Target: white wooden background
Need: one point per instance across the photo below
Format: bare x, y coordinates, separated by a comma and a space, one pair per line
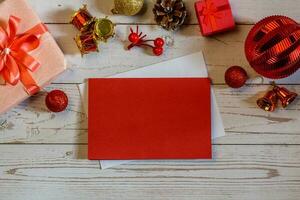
43, 155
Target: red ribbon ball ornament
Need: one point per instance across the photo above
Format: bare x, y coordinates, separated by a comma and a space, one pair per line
273, 47
15, 61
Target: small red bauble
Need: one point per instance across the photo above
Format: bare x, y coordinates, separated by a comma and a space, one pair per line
158, 51
236, 77
56, 101
273, 47
159, 42
133, 37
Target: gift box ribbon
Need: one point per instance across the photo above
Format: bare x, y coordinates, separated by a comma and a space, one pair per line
211, 13
15, 61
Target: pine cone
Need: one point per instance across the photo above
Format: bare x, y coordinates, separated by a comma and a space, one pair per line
170, 14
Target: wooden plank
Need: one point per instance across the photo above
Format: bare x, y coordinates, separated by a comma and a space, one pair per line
54, 167
220, 52
244, 122
237, 172
245, 12
32, 122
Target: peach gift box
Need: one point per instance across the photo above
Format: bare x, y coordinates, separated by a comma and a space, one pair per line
48, 54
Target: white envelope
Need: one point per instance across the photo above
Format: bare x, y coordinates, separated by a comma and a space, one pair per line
192, 65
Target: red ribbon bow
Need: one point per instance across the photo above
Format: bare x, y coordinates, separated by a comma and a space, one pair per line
210, 13
15, 61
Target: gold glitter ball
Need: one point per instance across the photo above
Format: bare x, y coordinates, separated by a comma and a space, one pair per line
127, 7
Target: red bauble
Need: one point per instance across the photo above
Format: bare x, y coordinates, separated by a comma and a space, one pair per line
159, 42
56, 101
158, 51
133, 37
273, 47
236, 77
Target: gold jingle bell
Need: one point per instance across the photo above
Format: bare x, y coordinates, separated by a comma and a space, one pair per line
127, 7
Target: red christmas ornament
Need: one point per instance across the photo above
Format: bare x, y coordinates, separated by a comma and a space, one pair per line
138, 39
134, 38
273, 47
158, 51
56, 101
236, 77
159, 42
284, 95
269, 101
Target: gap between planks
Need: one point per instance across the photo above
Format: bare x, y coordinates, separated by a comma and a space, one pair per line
85, 144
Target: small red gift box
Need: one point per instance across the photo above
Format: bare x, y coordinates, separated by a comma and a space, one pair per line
214, 16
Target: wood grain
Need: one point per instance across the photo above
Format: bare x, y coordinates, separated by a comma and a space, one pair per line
220, 52
44, 155
244, 122
244, 11
31, 122
238, 172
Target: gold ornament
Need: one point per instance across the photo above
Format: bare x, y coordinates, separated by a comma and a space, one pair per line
104, 29
86, 43
82, 18
92, 30
127, 7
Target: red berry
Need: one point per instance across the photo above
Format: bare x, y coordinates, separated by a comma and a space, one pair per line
159, 42
56, 101
236, 77
158, 51
133, 37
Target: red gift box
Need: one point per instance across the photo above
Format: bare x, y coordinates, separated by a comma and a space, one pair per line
214, 16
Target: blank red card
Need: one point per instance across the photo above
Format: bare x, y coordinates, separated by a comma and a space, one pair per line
149, 118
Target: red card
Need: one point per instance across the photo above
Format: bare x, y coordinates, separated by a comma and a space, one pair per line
149, 118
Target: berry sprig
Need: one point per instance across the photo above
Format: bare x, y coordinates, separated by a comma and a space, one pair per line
138, 39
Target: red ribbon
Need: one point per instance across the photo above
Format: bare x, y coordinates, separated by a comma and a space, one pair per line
211, 13
15, 61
